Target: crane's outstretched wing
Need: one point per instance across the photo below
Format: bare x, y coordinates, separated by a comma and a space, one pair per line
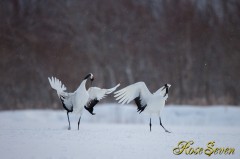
95, 95
137, 92
66, 98
57, 85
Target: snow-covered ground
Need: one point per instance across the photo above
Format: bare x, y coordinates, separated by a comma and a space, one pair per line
117, 132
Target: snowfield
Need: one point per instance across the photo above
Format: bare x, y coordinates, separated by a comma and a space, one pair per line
117, 132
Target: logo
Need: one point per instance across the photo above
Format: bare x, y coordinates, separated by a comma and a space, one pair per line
210, 149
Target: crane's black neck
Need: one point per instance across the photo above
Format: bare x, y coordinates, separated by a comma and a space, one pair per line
166, 91
166, 86
88, 76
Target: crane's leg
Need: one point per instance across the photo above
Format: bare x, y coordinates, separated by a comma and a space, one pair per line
150, 124
79, 122
163, 126
69, 126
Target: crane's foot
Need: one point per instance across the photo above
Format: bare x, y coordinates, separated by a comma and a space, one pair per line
167, 131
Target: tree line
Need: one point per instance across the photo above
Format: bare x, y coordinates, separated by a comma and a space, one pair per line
191, 44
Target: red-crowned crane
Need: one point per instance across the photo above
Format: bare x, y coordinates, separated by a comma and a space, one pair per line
81, 98
147, 102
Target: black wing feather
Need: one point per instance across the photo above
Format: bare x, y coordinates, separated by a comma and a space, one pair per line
90, 106
64, 106
139, 104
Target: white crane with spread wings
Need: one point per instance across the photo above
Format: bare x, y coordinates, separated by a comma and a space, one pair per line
81, 98
144, 99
